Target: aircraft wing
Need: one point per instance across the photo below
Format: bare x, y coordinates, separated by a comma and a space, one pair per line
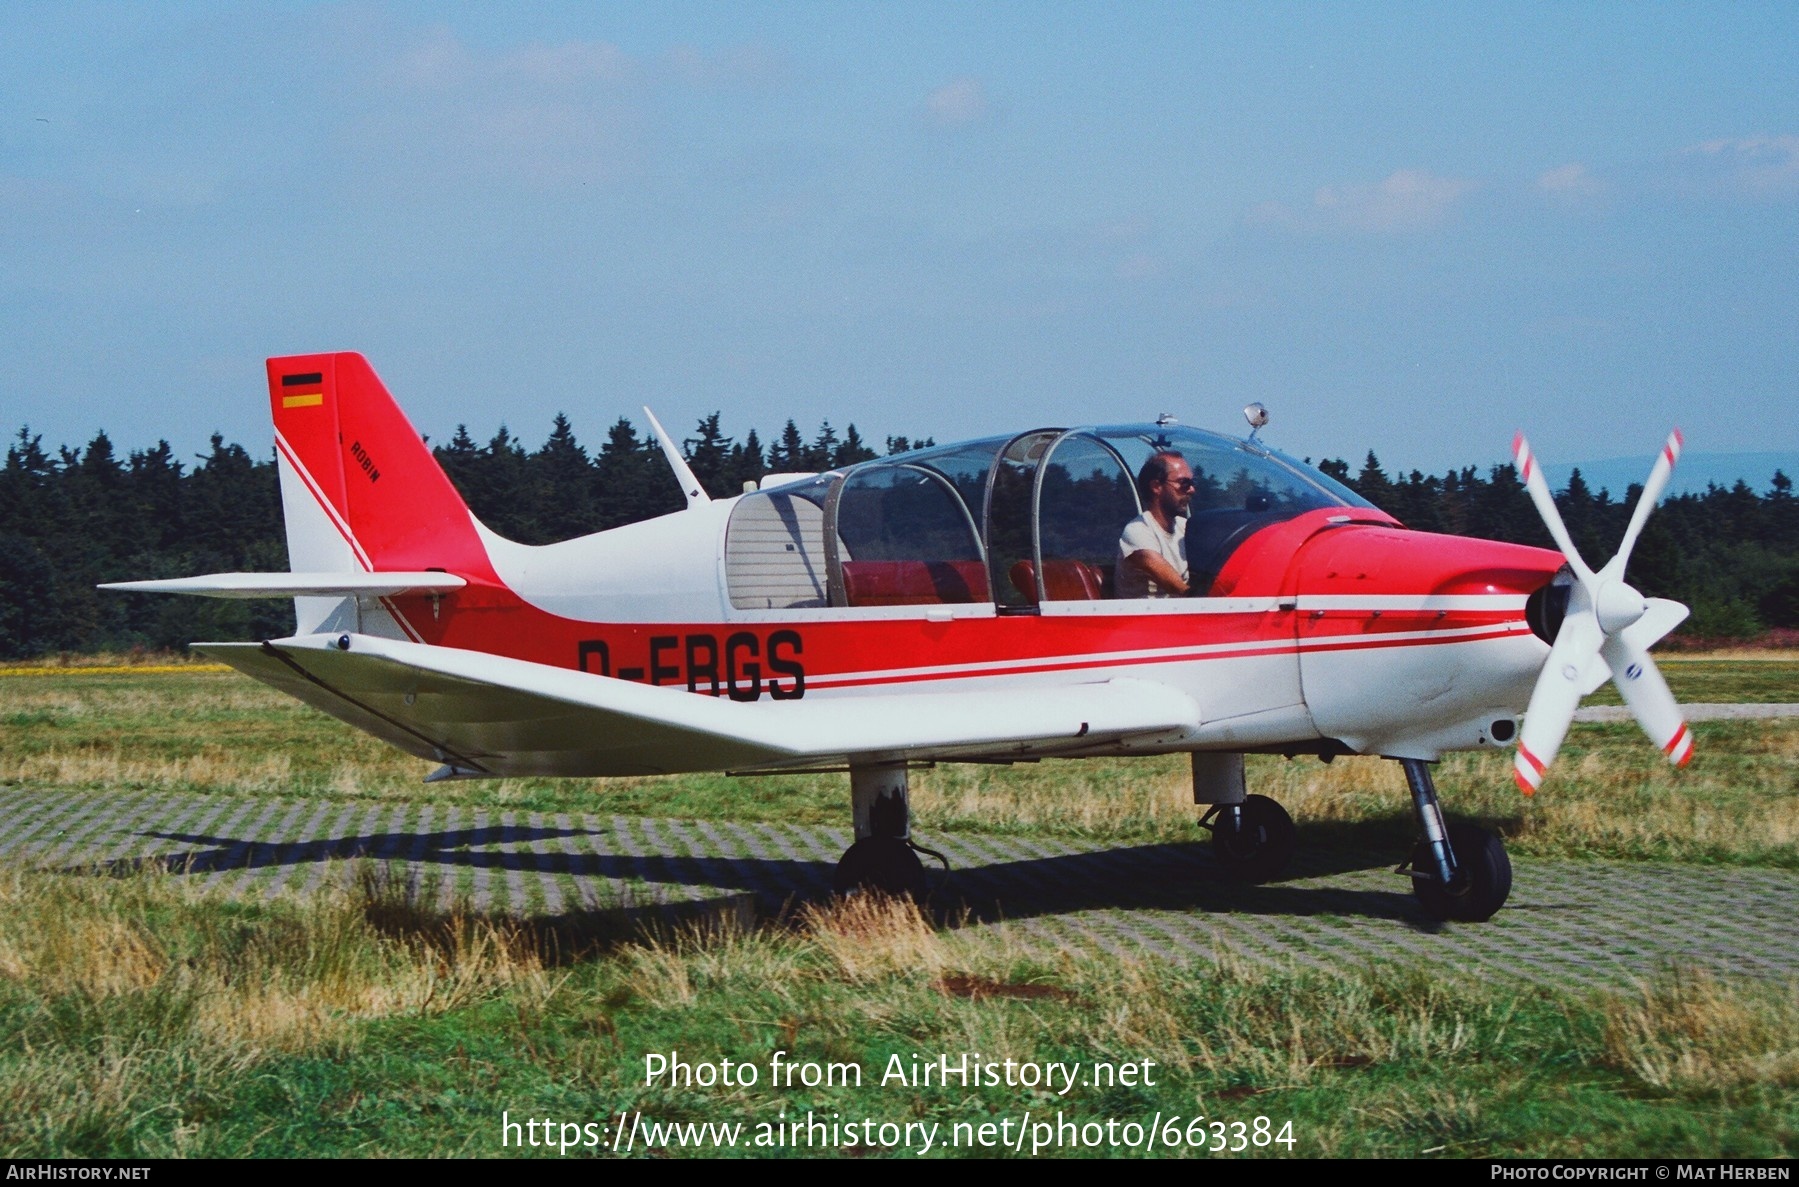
297, 585
486, 714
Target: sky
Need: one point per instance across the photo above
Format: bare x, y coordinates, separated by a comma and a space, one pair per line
1406, 228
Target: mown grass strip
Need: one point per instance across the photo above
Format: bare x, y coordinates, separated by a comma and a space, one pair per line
113, 670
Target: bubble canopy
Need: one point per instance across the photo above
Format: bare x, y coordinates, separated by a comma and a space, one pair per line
1016, 520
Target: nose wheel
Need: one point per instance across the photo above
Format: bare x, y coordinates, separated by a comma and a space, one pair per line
1482, 880
1459, 871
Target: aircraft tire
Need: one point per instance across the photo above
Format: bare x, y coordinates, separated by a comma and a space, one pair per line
883, 864
1260, 846
1481, 854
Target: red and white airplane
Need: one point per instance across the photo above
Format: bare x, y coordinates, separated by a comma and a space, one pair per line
953, 604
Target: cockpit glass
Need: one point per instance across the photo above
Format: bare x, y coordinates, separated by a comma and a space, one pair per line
904, 537
1319, 477
1014, 520
1231, 475
1009, 517
1238, 490
1085, 496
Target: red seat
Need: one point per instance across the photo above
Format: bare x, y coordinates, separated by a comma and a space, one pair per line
913, 583
1063, 581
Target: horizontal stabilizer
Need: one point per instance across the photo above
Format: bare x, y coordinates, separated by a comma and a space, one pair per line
490, 714
297, 585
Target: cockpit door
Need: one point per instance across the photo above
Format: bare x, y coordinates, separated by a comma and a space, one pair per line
1082, 498
901, 534
1009, 522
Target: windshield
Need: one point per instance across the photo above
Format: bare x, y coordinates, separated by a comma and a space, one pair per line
1229, 474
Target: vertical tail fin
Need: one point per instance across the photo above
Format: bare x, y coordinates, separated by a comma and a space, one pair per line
359, 487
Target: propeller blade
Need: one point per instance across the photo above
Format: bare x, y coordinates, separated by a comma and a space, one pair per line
1532, 474
1556, 696
1652, 492
1641, 685
1607, 630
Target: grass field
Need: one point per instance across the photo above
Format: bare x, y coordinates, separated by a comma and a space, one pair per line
149, 1018
1609, 794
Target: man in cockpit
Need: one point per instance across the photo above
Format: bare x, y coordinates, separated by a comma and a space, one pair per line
1152, 551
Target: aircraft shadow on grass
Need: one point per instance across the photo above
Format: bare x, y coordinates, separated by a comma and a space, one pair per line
1159, 876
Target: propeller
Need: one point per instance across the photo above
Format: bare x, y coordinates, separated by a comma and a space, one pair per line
1602, 609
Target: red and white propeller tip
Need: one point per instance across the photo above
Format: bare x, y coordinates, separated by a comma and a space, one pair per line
1602, 607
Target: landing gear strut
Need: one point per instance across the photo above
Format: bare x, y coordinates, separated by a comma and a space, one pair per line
882, 858
1459, 871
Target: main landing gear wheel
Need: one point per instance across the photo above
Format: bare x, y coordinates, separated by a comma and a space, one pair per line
883, 864
1255, 842
1483, 877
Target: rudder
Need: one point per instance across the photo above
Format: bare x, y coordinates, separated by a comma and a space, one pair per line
360, 488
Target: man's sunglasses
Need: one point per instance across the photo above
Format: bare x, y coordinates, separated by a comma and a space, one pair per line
1178, 483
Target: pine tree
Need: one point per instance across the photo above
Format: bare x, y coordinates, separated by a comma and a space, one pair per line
632, 479
1418, 501
788, 456
1780, 512
746, 465
561, 481
459, 460
1501, 510
157, 510
1373, 484
1337, 468
818, 455
500, 494
709, 456
852, 450
1580, 515
621, 475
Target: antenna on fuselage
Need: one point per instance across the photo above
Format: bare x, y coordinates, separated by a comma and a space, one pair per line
690, 486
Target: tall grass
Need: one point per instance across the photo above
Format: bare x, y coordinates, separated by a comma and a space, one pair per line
1692, 1032
150, 1019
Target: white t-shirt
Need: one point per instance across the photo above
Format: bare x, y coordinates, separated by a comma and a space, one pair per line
1144, 534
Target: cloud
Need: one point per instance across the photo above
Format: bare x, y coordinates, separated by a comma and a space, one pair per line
539, 115
542, 115
741, 66
958, 103
442, 61
1406, 200
1752, 167
575, 63
1572, 181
